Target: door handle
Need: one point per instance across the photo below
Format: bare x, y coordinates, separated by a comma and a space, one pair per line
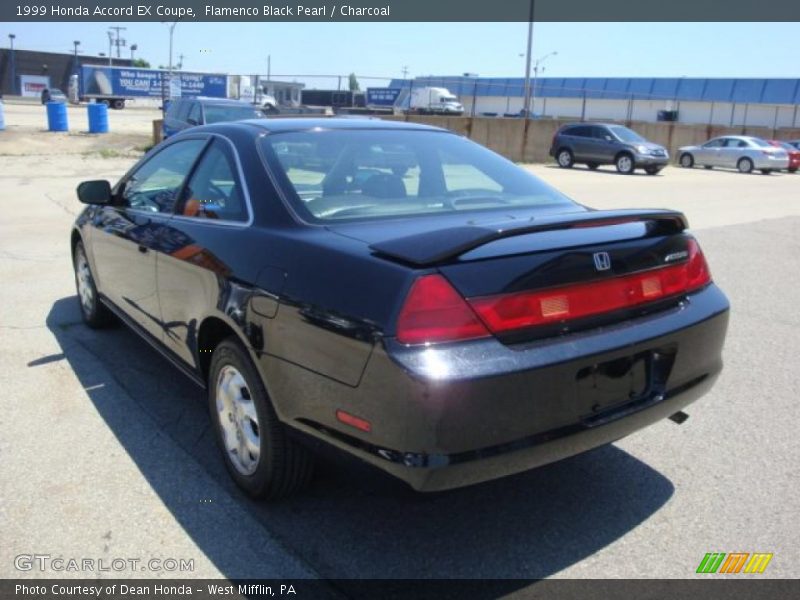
142, 249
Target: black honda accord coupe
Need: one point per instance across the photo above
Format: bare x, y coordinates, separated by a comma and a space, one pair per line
398, 292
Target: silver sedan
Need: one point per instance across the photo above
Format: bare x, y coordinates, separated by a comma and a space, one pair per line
741, 152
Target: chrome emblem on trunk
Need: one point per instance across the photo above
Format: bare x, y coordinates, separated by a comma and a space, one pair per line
602, 261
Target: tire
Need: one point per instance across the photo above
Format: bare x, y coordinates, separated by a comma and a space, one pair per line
792, 169
708, 167
624, 163
687, 160
565, 158
118, 104
745, 165
766, 171
652, 170
105, 101
592, 166
273, 465
95, 314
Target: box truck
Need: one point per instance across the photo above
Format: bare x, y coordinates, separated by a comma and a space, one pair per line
114, 85
434, 101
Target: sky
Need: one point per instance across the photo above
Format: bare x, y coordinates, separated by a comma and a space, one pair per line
382, 50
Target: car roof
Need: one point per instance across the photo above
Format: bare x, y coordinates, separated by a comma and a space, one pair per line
221, 101
328, 123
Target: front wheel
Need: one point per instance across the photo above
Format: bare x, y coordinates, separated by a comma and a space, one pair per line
687, 160
262, 459
745, 165
652, 170
565, 159
624, 164
592, 165
94, 313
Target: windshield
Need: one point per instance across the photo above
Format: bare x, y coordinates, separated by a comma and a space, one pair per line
626, 135
216, 113
367, 174
449, 99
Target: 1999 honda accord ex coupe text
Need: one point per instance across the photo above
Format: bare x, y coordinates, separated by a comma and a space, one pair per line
398, 292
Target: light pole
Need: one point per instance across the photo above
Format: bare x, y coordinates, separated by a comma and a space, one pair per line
527, 94
536, 65
76, 43
134, 48
11, 37
110, 42
169, 69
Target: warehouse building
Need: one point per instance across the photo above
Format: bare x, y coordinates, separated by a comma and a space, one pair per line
715, 101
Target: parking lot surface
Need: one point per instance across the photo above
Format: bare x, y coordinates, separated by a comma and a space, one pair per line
107, 452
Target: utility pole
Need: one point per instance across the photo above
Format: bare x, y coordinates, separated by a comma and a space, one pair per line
118, 42
75, 66
134, 48
180, 61
527, 100
110, 44
404, 71
11, 38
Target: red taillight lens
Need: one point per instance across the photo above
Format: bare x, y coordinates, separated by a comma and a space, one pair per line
435, 312
508, 312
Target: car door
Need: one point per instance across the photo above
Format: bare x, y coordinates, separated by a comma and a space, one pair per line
194, 268
580, 141
128, 232
708, 153
732, 151
601, 146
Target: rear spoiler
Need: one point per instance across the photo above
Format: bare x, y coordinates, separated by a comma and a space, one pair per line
441, 245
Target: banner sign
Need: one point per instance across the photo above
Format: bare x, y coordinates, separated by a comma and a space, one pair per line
129, 82
382, 96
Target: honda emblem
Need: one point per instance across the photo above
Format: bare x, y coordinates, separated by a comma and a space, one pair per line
602, 261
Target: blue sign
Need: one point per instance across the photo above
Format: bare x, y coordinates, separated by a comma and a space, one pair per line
382, 96
122, 81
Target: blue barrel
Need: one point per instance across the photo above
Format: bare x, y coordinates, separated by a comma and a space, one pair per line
57, 116
98, 117
2, 117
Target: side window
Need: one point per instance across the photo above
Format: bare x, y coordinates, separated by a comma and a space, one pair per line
155, 184
716, 143
600, 133
580, 131
215, 191
742, 144
461, 175
194, 114
183, 110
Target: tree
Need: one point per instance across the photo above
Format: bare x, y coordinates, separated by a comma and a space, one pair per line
353, 84
141, 63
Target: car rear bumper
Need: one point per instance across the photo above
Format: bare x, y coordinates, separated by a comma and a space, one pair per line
448, 417
772, 163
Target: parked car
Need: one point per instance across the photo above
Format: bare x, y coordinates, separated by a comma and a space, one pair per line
597, 144
53, 95
459, 322
795, 143
183, 113
741, 152
792, 151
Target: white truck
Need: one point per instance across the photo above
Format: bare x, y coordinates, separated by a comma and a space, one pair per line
434, 101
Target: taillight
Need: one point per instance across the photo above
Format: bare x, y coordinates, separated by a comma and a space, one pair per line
508, 312
435, 312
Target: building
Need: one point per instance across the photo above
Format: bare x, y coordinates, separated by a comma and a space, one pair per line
33, 71
716, 101
286, 93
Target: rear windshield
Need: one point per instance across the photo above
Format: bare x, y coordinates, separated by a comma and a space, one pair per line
369, 174
216, 113
759, 142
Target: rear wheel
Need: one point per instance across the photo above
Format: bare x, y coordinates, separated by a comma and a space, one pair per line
592, 165
745, 165
95, 314
766, 171
624, 164
118, 104
652, 170
565, 159
262, 459
687, 160
792, 169
709, 167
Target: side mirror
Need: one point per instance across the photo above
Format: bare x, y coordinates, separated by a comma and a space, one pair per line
191, 121
97, 191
